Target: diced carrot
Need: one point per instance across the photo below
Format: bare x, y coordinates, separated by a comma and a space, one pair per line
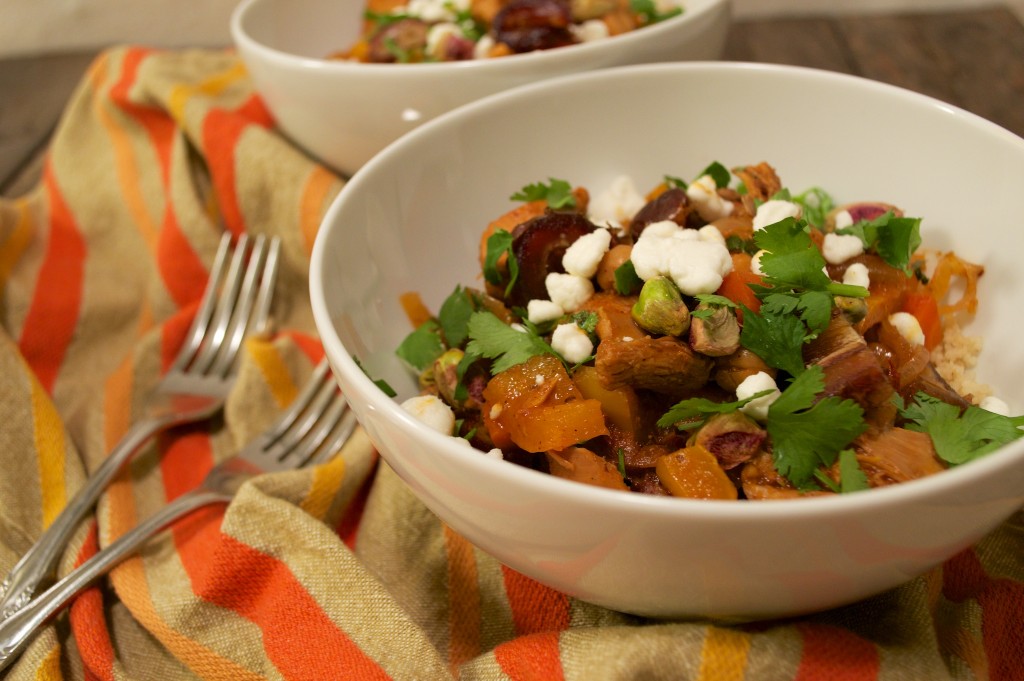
736, 285
926, 309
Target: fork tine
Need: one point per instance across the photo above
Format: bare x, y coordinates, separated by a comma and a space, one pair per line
262, 313
299, 404
335, 438
225, 306
240, 320
301, 427
206, 306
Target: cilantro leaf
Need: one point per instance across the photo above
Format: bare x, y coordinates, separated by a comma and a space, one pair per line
379, 382
454, 316
626, 280
712, 301
498, 244
719, 173
586, 320
649, 13
776, 338
851, 477
421, 347
806, 434
687, 412
959, 438
494, 339
791, 260
674, 182
893, 239
558, 193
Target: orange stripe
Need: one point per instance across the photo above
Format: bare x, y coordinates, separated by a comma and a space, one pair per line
89, 623
535, 607
53, 314
16, 243
49, 668
531, 658
463, 601
221, 131
836, 655
723, 656
1002, 605
348, 526
311, 204
48, 438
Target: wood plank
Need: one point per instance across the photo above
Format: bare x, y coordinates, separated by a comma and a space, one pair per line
35, 92
809, 41
974, 60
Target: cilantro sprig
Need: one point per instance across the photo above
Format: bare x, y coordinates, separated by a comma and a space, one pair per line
649, 13
499, 244
960, 437
493, 339
893, 238
557, 193
693, 412
808, 432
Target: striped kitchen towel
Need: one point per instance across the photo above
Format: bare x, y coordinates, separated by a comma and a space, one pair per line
335, 572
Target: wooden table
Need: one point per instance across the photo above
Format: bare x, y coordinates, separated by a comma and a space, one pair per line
973, 59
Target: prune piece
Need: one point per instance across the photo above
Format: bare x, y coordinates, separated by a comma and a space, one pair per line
402, 41
527, 25
672, 204
863, 210
538, 246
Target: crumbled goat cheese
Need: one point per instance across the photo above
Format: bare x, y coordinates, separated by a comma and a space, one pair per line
572, 343
483, 47
908, 326
703, 192
838, 248
538, 379
776, 210
995, 405
585, 254
753, 384
433, 11
540, 311
568, 291
589, 31
843, 219
694, 260
437, 37
617, 204
433, 411
495, 453
857, 275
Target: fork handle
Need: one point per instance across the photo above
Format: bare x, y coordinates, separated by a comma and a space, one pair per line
19, 628
38, 564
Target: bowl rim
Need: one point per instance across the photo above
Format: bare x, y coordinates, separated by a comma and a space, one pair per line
878, 499
513, 62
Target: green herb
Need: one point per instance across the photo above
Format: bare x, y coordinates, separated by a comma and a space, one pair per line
719, 173
379, 382
586, 320
776, 338
737, 244
421, 347
558, 193
960, 437
626, 280
674, 182
499, 244
851, 477
648, 12
816, 203
494, 339
382, 19
806, 433
893, 239
712, 301
454, 316
693, 412
468, 24
622, 463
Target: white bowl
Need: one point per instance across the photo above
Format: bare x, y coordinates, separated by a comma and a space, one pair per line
411, 221
345, 112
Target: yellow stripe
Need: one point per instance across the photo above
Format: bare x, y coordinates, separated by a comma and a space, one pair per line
16, 243
49, 441
275, 372
49, 669
327, 481
724, 655
211, 87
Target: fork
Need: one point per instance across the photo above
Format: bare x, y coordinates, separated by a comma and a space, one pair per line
311, 431
236, 300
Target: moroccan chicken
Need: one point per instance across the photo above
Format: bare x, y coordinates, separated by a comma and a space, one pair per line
721, 338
